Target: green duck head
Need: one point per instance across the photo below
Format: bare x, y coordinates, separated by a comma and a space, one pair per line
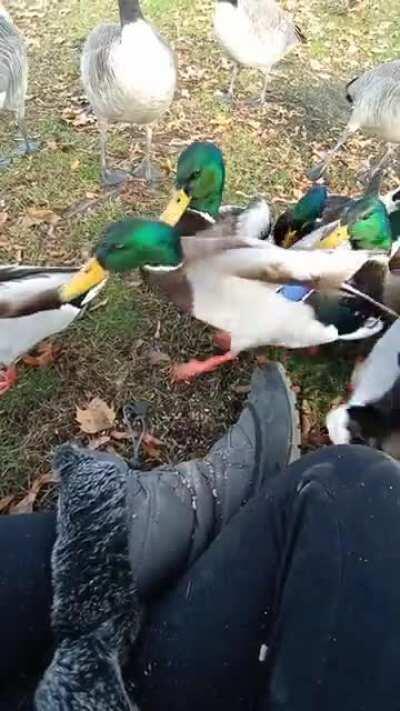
126, 245
200, 181
288, 227
365, 224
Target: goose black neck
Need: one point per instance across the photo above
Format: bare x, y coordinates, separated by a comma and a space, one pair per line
232, 2
129, 11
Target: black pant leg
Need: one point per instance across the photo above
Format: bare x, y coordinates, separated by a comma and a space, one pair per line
336, 637
306, 575
295, 606
25, 592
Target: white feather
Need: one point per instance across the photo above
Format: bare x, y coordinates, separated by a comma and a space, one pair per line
376, 377
144, 69
337, 422
380, 369
20, 335
255, 220
228, 302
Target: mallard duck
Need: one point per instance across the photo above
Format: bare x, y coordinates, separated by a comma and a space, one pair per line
364, 224
318, 207
372, 413
254, 33
375, 100
129, 76
197, 201
34, 306
234, 285
14, 79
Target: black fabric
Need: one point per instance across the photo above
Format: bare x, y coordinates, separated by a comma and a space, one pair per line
305, 575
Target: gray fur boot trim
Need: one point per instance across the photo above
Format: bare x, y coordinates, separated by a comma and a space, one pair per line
96, 613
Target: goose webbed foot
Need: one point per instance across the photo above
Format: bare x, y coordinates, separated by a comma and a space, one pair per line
225, 97
148, 171
26, 147
256, 101
111, 178
5, 162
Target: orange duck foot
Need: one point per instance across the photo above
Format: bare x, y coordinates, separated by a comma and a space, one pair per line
190, 370
313, 351
222, 339
8, 378
48, 353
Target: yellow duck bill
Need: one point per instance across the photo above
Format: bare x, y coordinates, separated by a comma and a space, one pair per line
339, 236
175, 208
91, 274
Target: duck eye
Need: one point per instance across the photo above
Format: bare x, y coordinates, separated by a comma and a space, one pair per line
195, 174
119, 245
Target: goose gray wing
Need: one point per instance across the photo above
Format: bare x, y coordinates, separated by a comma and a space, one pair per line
13, 65
268, 17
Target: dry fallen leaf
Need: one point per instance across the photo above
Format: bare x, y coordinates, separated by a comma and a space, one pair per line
96, 417
97, 442
5, 503
151, 446
26, 504
36, 216
118, 435
75, 164
3, 218
157, 357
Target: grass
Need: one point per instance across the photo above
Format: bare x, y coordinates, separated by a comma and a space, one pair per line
109, 353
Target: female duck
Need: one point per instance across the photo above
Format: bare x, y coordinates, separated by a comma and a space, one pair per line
129, 76
231, 284
197, 201
34, 304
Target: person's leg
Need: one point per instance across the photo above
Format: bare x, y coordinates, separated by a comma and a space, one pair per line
294, 606
26, 542
25, 589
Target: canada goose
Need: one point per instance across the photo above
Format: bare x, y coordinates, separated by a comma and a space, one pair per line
14, 79
254, 33
375, 100
129, 75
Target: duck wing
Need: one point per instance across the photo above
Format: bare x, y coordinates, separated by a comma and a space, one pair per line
266, 262
27, 289
30, 308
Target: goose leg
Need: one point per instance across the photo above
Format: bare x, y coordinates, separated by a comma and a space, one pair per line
146, 169
190, 370
320, 168
376, 169
264, 89
109, 177
227, 96
260, 101
28, 145
8, 378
